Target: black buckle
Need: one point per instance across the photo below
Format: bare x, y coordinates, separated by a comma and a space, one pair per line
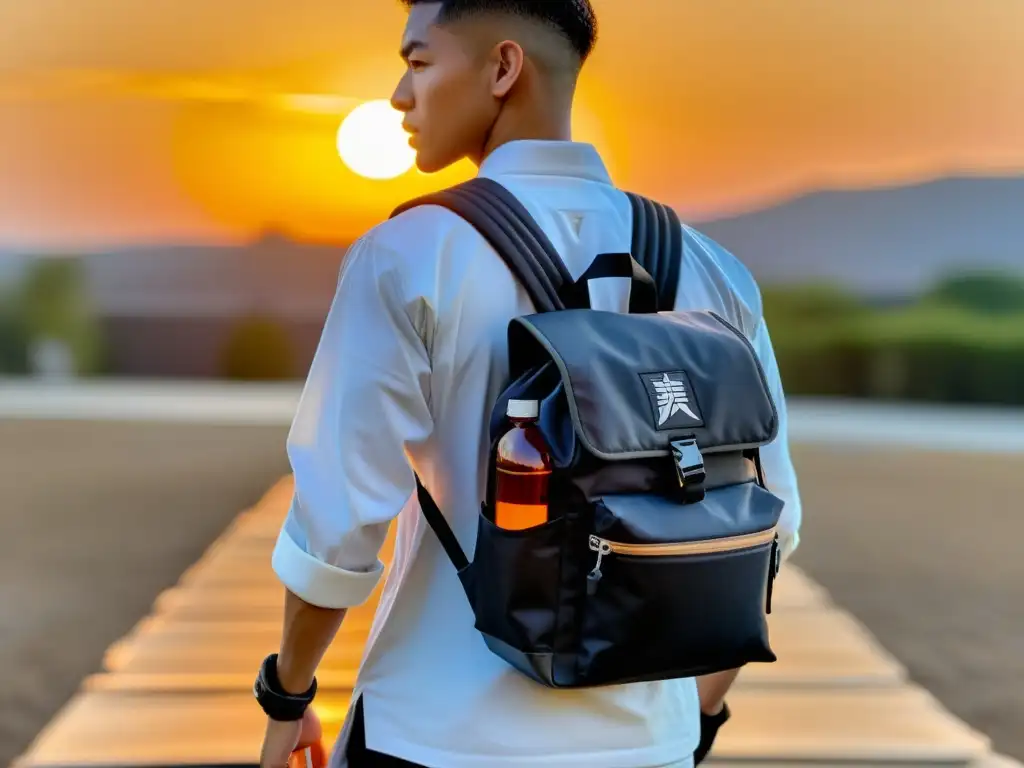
689, 461
690, 468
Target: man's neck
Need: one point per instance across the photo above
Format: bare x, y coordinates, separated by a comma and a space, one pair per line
555, 126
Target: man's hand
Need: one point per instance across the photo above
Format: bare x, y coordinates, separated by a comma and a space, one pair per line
279, 741
283, 738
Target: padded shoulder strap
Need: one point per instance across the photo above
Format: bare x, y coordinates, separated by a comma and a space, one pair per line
658, 246
510, 229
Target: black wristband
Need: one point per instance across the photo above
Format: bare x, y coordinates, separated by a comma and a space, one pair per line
277, 703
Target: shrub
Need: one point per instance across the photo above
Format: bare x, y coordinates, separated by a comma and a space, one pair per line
928, 353
980, 292
259, 349
809, 304
54, 307
13, 339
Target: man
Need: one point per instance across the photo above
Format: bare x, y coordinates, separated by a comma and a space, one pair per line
412, 354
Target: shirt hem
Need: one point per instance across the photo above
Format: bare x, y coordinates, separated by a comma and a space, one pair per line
646, 757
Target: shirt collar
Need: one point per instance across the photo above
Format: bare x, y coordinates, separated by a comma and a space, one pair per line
546, 158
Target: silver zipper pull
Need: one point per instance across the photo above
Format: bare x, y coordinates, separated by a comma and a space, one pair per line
602, 548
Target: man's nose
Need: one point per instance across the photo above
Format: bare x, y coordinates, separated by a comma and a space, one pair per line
401, 99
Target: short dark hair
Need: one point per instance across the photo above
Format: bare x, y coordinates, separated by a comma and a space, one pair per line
574, 19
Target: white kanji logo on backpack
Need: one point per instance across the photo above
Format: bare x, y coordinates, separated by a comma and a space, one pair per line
672, 399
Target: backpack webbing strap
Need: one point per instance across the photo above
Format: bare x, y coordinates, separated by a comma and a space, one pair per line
505, 223
442, 530
658, 246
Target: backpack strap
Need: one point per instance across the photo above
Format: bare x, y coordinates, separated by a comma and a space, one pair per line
658, 246
443, 531
505, 223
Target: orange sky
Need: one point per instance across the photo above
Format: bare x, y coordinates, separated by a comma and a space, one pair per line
128, 121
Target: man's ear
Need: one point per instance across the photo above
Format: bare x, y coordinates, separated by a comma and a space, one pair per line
509, 59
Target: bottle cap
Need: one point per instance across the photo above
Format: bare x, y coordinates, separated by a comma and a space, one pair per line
522, 409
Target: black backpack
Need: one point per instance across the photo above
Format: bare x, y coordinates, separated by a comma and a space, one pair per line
661, 550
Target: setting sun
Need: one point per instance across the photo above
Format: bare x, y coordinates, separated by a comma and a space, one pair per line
372, 143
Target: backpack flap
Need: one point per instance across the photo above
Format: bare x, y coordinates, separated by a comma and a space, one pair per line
632, 386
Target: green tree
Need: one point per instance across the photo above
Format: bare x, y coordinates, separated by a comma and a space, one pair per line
13, 337
809, 304
990, 293
55, 307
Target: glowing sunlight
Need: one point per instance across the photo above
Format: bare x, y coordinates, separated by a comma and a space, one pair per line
372, 143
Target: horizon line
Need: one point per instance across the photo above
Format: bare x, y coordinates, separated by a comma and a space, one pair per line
753, 205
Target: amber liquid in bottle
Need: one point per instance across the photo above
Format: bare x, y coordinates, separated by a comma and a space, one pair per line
523, 468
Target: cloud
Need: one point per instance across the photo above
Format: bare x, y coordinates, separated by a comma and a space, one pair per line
99, 85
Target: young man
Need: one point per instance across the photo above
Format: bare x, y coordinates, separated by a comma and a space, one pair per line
412, 353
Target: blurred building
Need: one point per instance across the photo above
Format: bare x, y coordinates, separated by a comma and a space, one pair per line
170, 311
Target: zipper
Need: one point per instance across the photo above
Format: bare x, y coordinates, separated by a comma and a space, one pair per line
603, 548
776, 562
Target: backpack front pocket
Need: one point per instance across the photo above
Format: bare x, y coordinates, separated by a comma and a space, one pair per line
677, 587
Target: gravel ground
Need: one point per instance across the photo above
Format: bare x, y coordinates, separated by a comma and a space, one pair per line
95, 520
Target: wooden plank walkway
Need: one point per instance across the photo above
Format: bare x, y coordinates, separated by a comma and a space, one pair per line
176, 691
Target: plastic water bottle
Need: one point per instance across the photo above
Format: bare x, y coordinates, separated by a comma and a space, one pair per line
523, 468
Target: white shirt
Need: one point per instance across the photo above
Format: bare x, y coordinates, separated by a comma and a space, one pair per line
412, 356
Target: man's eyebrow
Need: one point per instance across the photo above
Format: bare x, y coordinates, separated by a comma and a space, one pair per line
410, 47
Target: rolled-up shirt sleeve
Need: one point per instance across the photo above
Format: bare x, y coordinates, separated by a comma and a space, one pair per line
364, 407
780, 474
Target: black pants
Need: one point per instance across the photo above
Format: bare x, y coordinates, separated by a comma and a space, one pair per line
361, 757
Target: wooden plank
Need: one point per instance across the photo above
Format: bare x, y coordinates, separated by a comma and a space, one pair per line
215, 571
242, 657
246, 608
263, 520
794, 590
900, 727
822, 648
210, 681
115, 730
815, 648
155, 636
994, 760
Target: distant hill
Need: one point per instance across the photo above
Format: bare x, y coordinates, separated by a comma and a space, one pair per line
883, 242
892, 241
